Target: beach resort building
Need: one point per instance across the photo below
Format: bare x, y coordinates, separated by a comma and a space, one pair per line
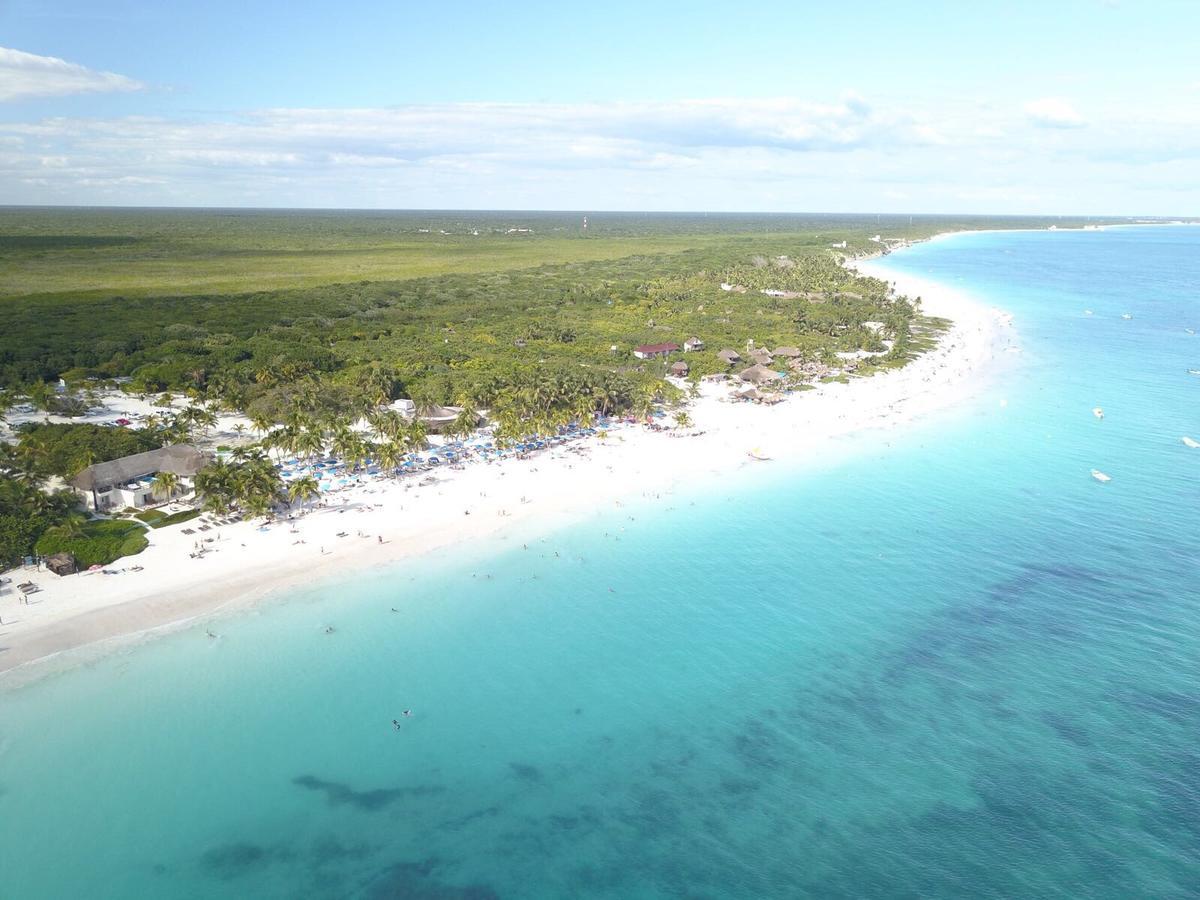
679, 370
650, 351
128, 481
436, 418
693, 343
729, 357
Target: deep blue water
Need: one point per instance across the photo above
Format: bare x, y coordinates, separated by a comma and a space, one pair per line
951, 665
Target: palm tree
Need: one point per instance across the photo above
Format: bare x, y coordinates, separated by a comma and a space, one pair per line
303, 490
464, 423
309, 443
415, 437
165, 485
387, 423
389, 456
215, 487
345, 442
682, 419
261, 422
71, 527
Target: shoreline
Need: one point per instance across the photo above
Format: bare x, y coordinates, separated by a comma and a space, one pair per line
76, 619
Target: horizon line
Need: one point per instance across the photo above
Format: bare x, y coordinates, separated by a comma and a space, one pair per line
581, 211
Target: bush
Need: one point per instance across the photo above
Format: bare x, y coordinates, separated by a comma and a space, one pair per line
100, 544
175, 518
62, 449
17, 536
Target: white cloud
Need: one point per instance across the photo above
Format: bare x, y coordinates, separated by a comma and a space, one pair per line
25, 75
1053, 112
714, 153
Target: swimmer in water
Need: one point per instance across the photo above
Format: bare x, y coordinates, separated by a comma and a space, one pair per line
396, 724
407, 714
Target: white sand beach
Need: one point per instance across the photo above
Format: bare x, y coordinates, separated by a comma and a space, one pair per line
387, 521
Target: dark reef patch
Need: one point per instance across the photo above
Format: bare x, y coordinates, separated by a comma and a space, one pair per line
417, 881
461, 821
1066, 729
757, 747
339, 793
526, 772
239, 858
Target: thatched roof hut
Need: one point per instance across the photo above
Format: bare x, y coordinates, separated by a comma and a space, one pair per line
789, 352
679, 369
761, 356
759, 375
179, 459
729, 357
439, 418
62, 564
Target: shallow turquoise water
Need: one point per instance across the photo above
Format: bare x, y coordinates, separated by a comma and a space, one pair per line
951, 665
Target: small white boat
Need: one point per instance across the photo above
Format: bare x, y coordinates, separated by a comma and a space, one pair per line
1087, 312
1191, 443
1190, 330
1126, 316
1098, 412
1194, 371
1100, 476
758, 454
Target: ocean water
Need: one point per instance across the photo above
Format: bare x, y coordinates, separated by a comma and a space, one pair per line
948, 664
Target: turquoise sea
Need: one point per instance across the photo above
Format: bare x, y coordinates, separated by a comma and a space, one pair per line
950, 665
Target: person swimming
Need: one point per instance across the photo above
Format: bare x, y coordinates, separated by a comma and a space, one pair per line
396, 724
407, 714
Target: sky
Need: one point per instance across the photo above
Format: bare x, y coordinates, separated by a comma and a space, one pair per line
1073, 107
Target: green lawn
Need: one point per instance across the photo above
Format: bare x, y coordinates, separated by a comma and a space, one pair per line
100, 543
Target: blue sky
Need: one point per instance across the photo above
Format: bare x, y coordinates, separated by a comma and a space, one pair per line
1075, 106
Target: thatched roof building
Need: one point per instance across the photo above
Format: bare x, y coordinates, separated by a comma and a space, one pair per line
789, 352
729, 357
62, 564
759, 375
761, 356
679, 369
179, 459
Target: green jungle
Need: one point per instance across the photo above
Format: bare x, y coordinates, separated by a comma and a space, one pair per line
308, 321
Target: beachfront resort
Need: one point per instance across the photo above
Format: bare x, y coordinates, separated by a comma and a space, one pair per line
105, 464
